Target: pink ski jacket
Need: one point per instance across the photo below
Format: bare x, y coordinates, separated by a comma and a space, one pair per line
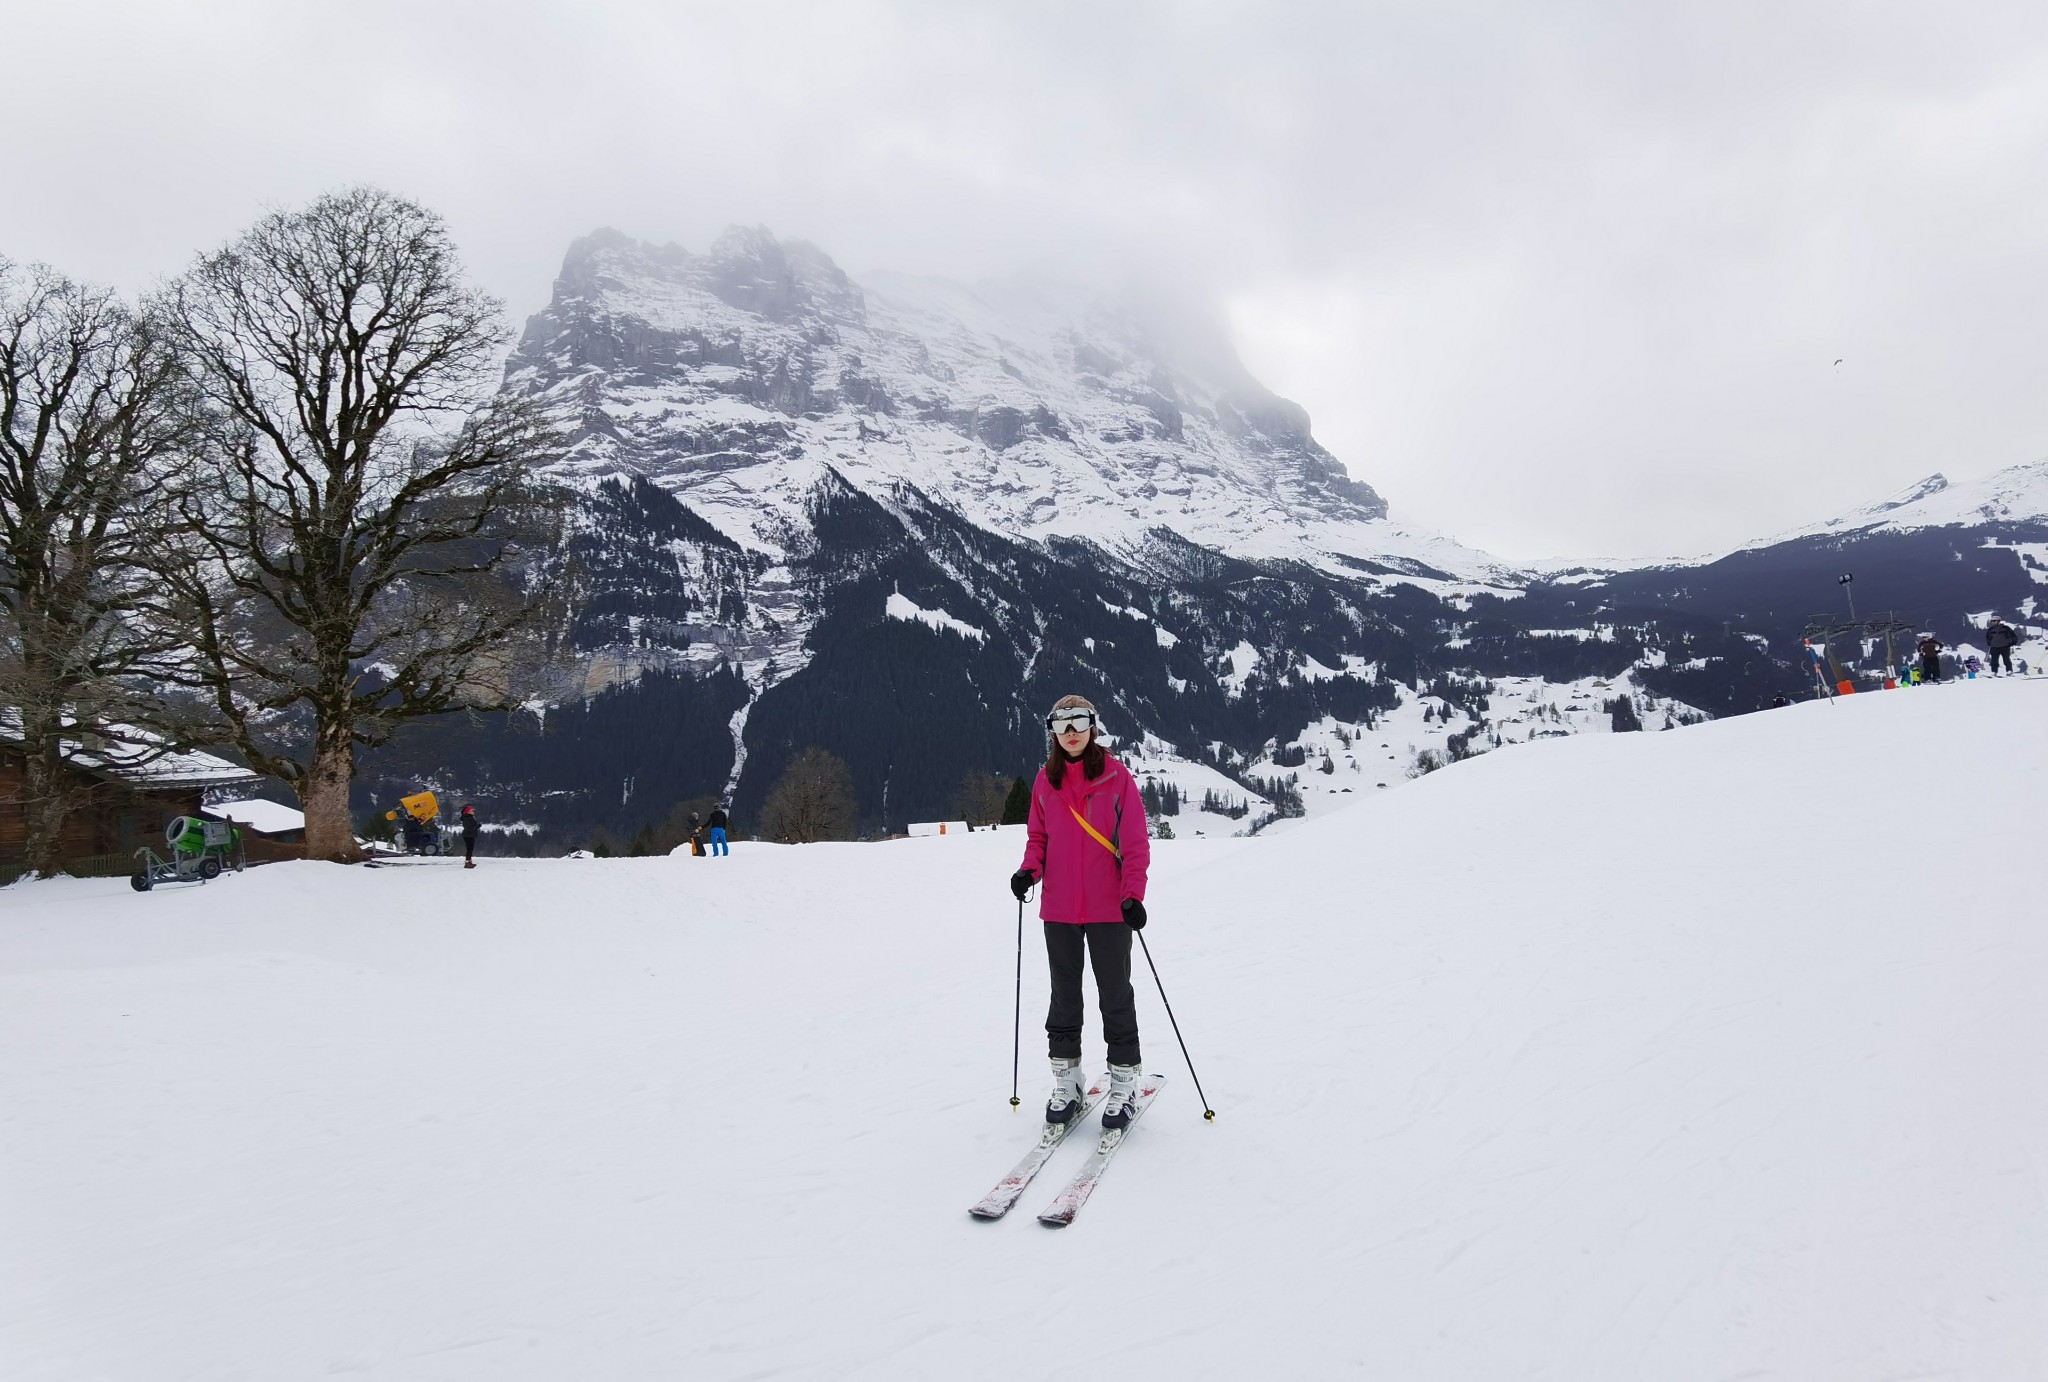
1081, 881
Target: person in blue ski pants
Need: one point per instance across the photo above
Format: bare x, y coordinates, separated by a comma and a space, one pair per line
717, 822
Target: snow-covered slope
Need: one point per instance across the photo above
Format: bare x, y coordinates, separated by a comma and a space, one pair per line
2017, 494
1332, 761
1581, 1059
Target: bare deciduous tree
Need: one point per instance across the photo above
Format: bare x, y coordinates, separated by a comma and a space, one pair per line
356, 540
92, 419
979, 799
813, 800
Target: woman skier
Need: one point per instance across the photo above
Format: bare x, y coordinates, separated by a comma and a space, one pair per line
1087, 842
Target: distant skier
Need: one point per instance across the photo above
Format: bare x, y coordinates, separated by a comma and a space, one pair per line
1930, 658
1971, 666
470, 827
1086, 839
2000, 638
696, 836
717, 822
1779, 701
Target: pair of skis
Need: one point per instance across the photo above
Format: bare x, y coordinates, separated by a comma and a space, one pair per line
999, 1201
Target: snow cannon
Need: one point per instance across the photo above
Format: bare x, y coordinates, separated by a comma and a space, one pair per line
199, 849
419, 822
196, 835
421, 806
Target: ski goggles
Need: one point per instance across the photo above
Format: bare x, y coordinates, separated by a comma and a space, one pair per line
1070, 721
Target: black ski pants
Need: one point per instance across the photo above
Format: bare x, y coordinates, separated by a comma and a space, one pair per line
1997, 653
1108, 944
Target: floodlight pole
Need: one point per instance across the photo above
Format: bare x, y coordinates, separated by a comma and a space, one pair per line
1848, 583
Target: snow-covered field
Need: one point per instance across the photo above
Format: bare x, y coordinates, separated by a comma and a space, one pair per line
1716, 1053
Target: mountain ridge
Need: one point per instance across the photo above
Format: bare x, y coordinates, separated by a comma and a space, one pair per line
1040, 410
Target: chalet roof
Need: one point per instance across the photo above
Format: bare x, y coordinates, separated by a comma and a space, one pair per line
132, 762
263, 817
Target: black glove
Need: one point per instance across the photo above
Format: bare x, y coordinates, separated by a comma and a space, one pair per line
1134, 913
1020, 883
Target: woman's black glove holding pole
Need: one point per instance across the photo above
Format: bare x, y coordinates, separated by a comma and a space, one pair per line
1021, 882
1134, 913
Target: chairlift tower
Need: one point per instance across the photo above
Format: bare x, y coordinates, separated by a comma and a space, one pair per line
1826, 628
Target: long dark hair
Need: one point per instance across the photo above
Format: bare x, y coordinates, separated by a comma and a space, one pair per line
1094, 759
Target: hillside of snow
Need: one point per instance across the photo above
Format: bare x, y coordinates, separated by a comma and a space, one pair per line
1703, 1054
2017, 494
1332, 761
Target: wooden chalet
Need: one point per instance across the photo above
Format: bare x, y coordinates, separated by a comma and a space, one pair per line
129, 806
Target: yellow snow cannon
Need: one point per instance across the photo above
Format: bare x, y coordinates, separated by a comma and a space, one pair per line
418, 818
421, 806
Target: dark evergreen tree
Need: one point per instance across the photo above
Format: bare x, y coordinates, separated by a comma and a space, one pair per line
1623, 713
1017, 806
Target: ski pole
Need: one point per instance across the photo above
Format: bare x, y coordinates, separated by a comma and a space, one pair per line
1208, 1114
1017, 1017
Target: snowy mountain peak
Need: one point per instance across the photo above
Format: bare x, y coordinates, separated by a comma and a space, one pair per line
2017, 494
1038, 410
750, 269
1913, 494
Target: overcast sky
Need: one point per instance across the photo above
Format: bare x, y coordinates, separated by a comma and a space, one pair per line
1560, 279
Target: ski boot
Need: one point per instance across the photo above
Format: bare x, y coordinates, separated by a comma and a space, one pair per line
1123, 1092
1069, 1089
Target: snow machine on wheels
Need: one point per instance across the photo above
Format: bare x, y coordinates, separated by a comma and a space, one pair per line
199, 850
418, 818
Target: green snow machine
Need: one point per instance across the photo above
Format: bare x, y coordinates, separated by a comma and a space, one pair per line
199, 850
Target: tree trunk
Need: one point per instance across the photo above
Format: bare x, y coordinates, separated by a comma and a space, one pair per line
46, 799
324, 795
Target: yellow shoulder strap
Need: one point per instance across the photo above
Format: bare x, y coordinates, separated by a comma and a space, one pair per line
1099, 837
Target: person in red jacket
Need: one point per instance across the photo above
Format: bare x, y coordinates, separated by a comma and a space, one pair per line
1087, 843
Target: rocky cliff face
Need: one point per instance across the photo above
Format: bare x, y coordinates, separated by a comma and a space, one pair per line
1037, 410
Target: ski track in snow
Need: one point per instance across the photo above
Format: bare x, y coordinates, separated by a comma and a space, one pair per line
1598, 1058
